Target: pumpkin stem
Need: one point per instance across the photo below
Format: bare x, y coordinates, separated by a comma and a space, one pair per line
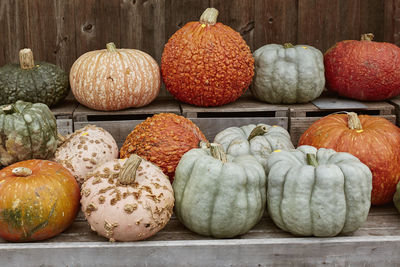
111, 47
367, 37
312, 160
9, 109
21, 171
60, 139
218, 152
259, 130
204, 144
353, 121
127, 175
209, 16
288, 45
26, 59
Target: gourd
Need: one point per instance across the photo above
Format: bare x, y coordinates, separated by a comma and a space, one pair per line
206, 63
115, 79
36, 82
163, 139
318, 192
257, 140
26, 131
363, 70
127, 199
38, 200
288, 74
85, 149
372, 139
219, 195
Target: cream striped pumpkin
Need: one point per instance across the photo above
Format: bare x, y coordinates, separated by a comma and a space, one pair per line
115, 79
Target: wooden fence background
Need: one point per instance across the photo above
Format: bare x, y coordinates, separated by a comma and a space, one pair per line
59, 31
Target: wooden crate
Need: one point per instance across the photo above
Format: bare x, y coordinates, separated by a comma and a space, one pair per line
396, 103
303, 115
64, 115
376, 243
121, 123
212, 120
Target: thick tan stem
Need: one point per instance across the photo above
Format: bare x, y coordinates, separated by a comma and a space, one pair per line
367, 37
353, 122
287, 45
127, 175
204, 144
111, 47
218, 152
259, 130
312, 160
60, 139
21, 171
26, 59
9, 109
209, 16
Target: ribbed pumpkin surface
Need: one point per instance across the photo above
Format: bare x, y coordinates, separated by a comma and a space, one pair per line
115, 79
163, 139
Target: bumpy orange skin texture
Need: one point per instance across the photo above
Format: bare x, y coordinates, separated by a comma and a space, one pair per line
363, 70
163, 139
38, 206
207, 65
377, 145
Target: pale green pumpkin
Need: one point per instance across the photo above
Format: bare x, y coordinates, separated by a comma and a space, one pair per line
219, 196
258, 140
318, 192
288, 74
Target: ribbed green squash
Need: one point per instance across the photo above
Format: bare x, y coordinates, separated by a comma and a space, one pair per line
396, 197
257, 140
36, 82
318, 192
27, 131
219, 197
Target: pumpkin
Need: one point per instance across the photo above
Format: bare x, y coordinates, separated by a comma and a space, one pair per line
318, 192
38, 200
163, 139
257, 140
85, 149
115, 79
26, 131
37, 82
396, 197
219, 195
288, 74
206, 63
374, 140
127, 199
363, 70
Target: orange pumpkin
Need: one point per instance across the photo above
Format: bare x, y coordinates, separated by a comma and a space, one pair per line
206, 63
115, 79
374, 140
38, 199
163, 139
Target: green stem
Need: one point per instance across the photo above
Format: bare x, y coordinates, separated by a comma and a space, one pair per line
312, 160
259, 130
111, 47
288, 45
127, 175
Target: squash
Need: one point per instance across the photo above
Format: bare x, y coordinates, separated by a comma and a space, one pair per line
257, 140
36, 82
163, 139
26, 131
372, 139
85, 149
127, 199
219, 195
318, 192
396, 197
115, 79
363, 70
288, 74
38, 200
206, 63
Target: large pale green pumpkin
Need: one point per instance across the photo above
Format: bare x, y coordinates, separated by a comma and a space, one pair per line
217, 197
27, 131
258, 140
288, 74
318, 192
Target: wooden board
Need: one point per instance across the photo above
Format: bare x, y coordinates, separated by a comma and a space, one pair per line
376, 243
64, 113
396, 103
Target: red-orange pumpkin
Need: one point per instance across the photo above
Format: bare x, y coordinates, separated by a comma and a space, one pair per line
206, 63
163, 139
38, 200
374, 140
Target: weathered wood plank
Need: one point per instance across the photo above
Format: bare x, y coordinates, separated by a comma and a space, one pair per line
396, 22
388, 35
350, 20
372, 18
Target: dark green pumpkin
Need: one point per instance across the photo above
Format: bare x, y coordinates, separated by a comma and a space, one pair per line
27, 131
36, 82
